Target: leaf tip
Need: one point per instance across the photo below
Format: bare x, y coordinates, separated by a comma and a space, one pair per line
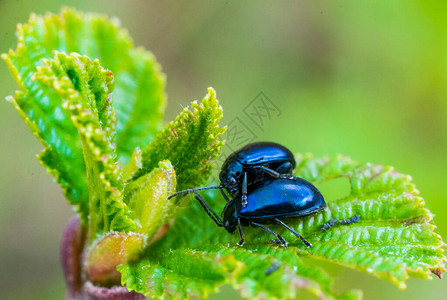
438, 272
4, 56
211, 93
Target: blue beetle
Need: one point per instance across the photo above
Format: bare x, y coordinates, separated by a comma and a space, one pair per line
273, 200
258, 178
252, 164
249, 165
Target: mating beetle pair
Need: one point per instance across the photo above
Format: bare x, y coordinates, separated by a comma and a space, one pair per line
259, 179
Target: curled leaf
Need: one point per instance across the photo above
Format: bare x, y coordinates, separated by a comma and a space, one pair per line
147, 198
190, 143
85, 87
139, 97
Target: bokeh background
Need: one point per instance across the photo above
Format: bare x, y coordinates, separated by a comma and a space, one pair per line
367, 80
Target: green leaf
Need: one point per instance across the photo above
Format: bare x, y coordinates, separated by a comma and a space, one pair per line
133, 166
41, 108
141, 102
139, 97
86, 87
180, 274
147, 198
395, 239
190, 143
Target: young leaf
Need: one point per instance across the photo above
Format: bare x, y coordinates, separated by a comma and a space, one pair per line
394, 239
41, 108
85, 87
133, 166
139, 97
147, 198
190, 143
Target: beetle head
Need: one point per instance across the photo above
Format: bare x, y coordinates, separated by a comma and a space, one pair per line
230, 217
230, 175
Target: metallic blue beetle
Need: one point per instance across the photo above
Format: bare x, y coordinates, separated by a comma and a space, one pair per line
258, 178
250, 165
254, 163
269, 202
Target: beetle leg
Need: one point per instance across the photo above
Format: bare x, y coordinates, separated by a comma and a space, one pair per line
329, 224
224, 195
276, 174
308, 245
354, 219
285, 168
269, 171
332, 222
280, 238
241, 234
244, 190
208, 210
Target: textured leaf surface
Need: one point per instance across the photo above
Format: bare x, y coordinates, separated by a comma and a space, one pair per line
41, 108
147, 198
139, 98
395, 239
85, 87
190, 143
180, 273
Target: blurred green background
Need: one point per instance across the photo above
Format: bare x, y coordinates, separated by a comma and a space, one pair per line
367, 80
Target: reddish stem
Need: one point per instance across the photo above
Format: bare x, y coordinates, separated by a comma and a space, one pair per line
72, 247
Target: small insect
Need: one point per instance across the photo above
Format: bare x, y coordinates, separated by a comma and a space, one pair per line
252, 164
249, 165
270, 196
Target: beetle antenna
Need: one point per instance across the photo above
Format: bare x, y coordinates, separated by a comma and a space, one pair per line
195, 190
